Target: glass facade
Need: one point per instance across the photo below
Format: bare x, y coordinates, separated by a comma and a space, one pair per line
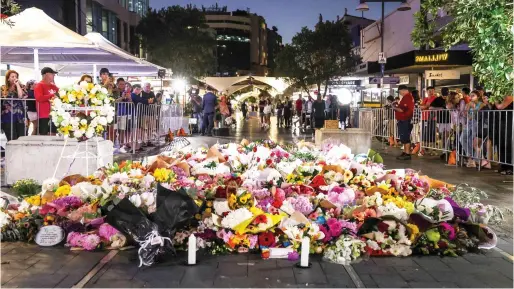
138, 6
102, 21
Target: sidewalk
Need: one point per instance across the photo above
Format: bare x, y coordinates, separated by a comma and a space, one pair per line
30, 266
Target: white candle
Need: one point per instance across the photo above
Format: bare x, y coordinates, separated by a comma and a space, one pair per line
191, 250
304, 259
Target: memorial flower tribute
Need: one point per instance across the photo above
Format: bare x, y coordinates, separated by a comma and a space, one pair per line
258, 197
82, 110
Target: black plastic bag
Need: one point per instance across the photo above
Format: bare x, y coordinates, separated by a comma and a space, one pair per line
128, 219
175, 209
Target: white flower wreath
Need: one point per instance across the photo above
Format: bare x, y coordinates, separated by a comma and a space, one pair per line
82, 111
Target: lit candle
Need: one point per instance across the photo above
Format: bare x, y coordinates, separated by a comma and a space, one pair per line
191, 254
304, 259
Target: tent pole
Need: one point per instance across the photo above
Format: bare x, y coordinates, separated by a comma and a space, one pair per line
94, 73
37, 73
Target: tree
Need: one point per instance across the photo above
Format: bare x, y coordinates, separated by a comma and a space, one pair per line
8, 8
316, 56
485, 25
178, 38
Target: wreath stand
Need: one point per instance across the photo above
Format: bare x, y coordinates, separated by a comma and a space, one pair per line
82, 151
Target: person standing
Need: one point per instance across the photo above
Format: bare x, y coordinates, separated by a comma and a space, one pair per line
403, 114
31, 106
299, 106
244, 109
318, 109
209, 103
288, 106
280, 114
428, 121
504, 140
416, 125
44, 91
308, 111
13, 111
262, 104
196, 100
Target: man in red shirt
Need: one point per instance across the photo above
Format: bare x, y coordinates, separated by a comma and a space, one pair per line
298, 106
44, 91
428, 121
404, 111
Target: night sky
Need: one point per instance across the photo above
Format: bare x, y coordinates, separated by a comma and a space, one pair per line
289, 16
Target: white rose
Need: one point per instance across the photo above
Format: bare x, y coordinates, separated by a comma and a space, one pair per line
148, 180
104, 90
24, 206
92, 114
83, 121
83, 84
102, 120
136, 200
94, 90
76, 87
62, 92
148, 198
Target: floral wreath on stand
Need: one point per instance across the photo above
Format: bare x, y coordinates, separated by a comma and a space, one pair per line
82, 111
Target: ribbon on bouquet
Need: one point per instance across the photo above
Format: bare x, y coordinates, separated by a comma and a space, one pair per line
152, 238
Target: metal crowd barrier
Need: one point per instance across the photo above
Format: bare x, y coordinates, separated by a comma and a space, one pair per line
478, 137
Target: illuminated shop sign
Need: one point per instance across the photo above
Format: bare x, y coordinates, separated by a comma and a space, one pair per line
439, 57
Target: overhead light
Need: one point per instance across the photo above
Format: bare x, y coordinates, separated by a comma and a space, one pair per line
404, 7
363, 6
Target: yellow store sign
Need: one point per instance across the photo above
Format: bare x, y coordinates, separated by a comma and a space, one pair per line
441, 57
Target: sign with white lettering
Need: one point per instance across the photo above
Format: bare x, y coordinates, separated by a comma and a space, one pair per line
49, 236
352, 82
404, 79
386, 80
363, 67
442, 74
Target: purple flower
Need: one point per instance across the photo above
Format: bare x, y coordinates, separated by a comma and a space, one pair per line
301, 204
351, 226
106, 231
261, 193
263, 204
68, 202
325, 231
293, 256
207, 234
179, 172
253, 241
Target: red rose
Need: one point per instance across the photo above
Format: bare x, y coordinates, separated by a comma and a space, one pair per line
254, 149
221, 192
272, 154
265, 254
226, 158
266, 239
442, 244
258, 159
269, 162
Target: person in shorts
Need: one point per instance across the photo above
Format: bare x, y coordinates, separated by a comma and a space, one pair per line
404, 111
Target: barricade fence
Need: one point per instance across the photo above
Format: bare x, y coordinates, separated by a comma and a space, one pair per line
133, 125
477, 137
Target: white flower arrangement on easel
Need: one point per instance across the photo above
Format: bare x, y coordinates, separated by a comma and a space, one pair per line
82, 111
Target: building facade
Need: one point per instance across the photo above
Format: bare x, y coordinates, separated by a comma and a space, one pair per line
411, 65
116, 20
241, 39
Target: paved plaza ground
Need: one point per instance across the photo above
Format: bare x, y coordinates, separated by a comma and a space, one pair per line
24, 265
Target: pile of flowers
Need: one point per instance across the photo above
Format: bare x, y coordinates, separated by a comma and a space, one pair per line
82, 110
254, 197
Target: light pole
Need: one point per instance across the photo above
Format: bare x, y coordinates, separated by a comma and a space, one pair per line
363, 6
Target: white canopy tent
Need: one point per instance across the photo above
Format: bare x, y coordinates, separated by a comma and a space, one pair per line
230, 84
38, 39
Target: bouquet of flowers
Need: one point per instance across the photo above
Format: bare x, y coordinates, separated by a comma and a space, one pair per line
82, 110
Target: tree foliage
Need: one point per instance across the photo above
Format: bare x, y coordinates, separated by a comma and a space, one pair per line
178, 37
485, 25
316, 56
8, 8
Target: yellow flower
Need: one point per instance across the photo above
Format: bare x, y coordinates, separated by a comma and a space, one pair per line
34, 200
62, 191
209, 204
348, 175
162, 175
208, 210
198, 216
414, 231
409, 207
90, 86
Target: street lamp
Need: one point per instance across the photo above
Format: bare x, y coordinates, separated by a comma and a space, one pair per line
363, 6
